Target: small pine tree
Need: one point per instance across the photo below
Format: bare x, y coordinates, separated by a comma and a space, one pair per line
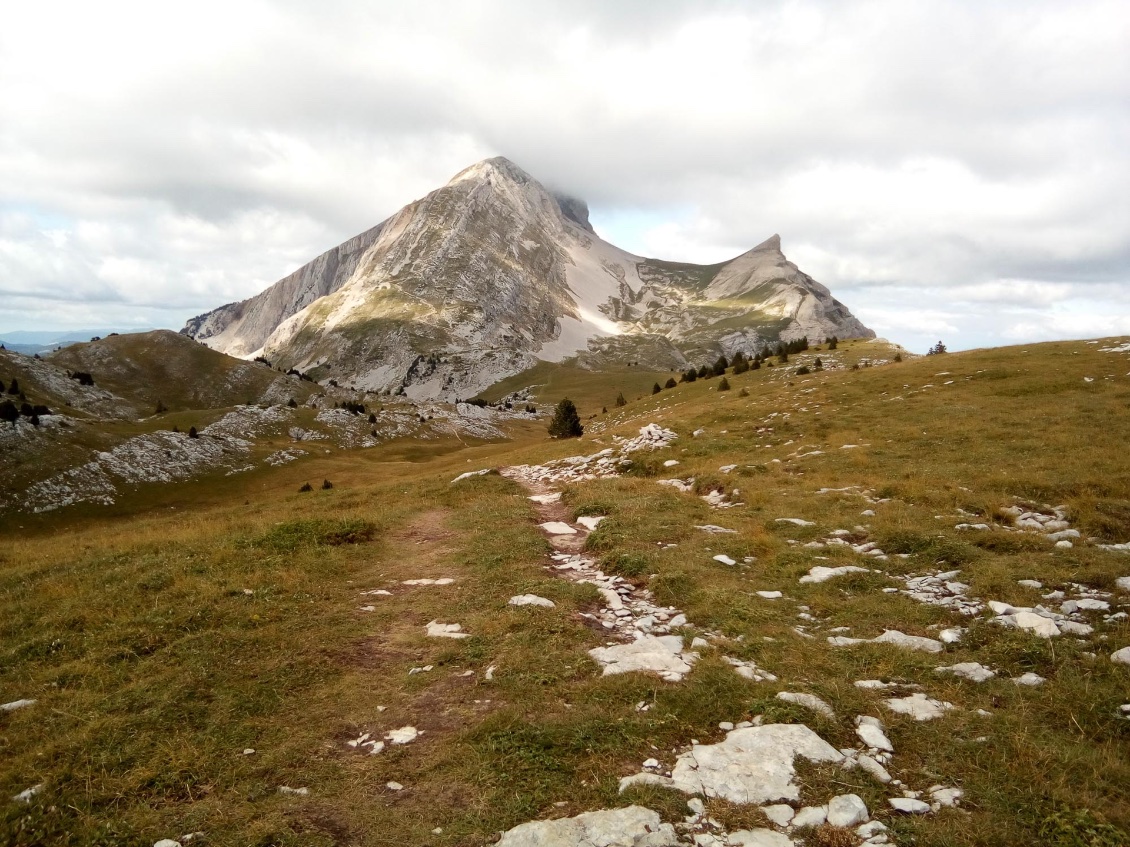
566, 422
720, 366
655, 389
372, 417
756, 366
936, 350
704, 372
14, 388
670, 383
782, 357
724, 385
802, 371
176, 428
818, 365
291, 403
604, 410
620, 401
305, 487
740, 366
898, 357
327, 485
738, 357
832, 342
192, 432
8, 411
690, 376
161, 408
2, 387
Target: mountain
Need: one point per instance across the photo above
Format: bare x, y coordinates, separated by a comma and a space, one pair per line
491, 273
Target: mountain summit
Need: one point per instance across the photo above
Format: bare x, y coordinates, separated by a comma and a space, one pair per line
492, 272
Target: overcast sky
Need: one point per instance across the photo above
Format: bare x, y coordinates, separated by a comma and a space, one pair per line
955, 171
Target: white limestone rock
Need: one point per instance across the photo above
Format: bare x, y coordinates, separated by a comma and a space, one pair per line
796, 521
918, 706
973, 671
847, 810
752, 765
1121, 657
724, 559
663, 655
810, 816
531, 600
446, 630
546, 499
909, 806
16, 704
808, 701
779, 813
873, 767
872, 732
633, 826
892, 636
823, 574
557, 528
590, 522
758, 838
1029, 678
1031, 622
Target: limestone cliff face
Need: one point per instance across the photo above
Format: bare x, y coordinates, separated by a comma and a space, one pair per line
485, 276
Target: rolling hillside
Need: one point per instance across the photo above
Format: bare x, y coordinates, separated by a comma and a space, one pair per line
878, 602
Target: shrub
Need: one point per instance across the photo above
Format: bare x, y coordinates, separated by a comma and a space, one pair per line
655, 389
566, 422
8, 411
832, 342
192, 432
14, 388
620, 401
670, 383
802, 370
740, 366
936, 350
327, 485
756, 366
530, 408
723, 385
704, 372
818, 365
161, 408
743, 393
690, 376
291, 403
372, 417
2, 386
720, 366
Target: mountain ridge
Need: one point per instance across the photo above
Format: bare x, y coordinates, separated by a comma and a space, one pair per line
491, 273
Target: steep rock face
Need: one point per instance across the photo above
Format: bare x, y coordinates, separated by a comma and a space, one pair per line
239, 329
490, 273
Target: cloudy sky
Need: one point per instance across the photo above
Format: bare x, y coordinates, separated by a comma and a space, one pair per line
955, 171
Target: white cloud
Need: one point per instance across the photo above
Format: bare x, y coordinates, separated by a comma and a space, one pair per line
956, 168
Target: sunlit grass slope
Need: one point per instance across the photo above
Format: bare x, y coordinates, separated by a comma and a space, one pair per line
162, 647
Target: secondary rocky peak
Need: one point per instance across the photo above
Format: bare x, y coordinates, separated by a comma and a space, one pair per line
574, 210
772, 244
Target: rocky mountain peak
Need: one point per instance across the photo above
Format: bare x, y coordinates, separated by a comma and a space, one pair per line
772, 244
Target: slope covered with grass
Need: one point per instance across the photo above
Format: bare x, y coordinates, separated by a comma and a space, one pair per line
190, 663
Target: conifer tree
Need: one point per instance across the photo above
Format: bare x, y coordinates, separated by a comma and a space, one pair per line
620, 401
655, 389
670, 382
724, 385
566, 422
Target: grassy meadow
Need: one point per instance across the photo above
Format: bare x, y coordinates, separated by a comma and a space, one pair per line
167, 636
